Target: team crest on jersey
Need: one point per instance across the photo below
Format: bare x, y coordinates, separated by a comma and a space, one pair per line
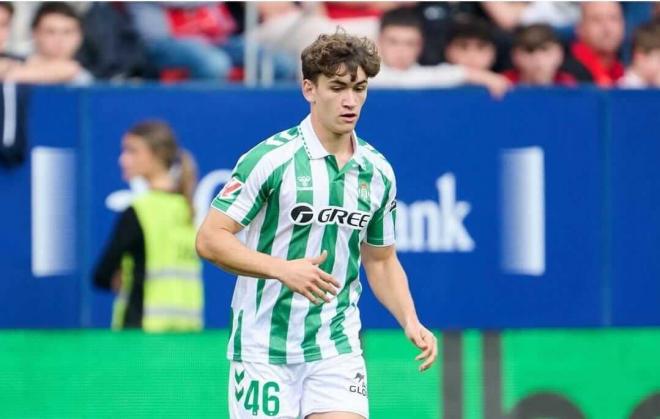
363, 191
231, 188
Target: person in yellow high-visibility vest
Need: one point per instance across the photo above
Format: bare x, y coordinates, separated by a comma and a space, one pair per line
150, 260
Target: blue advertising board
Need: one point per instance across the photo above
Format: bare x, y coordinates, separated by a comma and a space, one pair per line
511, 213
634, 205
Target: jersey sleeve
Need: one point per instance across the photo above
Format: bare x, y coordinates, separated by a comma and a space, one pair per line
247, 191
381, 228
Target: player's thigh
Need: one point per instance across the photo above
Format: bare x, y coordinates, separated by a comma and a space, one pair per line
336, 388
334, 415
263, 391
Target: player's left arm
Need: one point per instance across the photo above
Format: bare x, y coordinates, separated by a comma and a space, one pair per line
389, 283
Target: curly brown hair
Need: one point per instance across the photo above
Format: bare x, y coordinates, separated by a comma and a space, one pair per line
329, 53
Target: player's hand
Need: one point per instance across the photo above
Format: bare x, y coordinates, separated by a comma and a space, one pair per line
421, 337
305, 277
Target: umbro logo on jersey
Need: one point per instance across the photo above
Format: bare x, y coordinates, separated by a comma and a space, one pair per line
231, 188
304, 214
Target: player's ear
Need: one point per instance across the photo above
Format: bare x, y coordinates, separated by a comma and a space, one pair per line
309, 90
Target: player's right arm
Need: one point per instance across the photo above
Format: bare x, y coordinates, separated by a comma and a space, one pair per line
235, 207
217, 243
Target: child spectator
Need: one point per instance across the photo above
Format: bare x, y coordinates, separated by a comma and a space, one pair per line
537, 56
57, 35
470, 44
593, 56
645, 68
400, 44
6, 13
289, 26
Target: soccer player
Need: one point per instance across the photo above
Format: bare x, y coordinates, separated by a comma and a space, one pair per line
315, 201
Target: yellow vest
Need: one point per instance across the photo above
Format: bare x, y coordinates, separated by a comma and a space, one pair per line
173, 287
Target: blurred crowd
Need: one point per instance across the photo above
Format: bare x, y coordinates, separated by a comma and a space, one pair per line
422, 44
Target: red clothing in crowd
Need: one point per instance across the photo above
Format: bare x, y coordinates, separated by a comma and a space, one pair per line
602, 75
211, 21
340, 10
562, 78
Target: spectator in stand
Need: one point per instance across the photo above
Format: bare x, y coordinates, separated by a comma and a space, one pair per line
537, 56
594, 56
400, 44
645, 68
561, 15
197, 37
6, 13
189, 36
635, 14
437, 17
507, 16
470, 44
112, 48
57, 35
290, 26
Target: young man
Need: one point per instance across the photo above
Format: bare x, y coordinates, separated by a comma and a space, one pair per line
645, 68
57, 35
316, 200
470, 43
594, 56
400, 44
537, 56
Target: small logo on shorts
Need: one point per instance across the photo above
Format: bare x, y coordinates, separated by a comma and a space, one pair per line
359, 385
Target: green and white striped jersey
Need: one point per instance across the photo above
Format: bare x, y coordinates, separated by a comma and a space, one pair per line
295, 203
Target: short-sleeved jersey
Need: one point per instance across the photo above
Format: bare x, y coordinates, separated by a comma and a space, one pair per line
295, 202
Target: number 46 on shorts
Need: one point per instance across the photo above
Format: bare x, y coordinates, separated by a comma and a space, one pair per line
255, 396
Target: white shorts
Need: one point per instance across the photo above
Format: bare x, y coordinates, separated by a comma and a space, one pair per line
293, 391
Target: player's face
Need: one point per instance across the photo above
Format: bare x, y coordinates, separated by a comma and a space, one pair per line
137, 159
337, 101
